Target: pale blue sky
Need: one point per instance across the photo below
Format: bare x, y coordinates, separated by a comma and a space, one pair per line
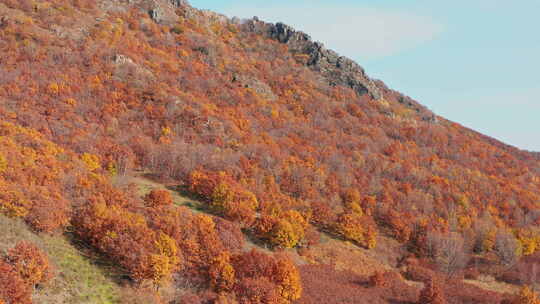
476, 62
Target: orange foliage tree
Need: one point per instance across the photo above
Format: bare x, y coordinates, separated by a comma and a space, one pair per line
221, 272
13, 289
31, 263
264, 279
357, 228
527, 296
431, 293
158, 198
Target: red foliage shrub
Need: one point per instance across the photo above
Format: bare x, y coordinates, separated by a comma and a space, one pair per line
31, 263
158, 198
230, 234
264, 279
323, 216
257, 291
419, 273
248, 122
378, 280
128, 240
431, 293
13, 289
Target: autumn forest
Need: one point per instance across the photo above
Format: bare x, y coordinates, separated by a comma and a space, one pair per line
172, 155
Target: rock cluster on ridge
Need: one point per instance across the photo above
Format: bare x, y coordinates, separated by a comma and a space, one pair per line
338, 70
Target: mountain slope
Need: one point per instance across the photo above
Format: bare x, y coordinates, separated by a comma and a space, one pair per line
276, 136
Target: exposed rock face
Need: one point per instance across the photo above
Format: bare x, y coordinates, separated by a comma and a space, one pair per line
338, 70
155, 14
179, 3
163, 11
126, 68
256, 85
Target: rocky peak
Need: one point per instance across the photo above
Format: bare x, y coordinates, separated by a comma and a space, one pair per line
337, 70
179, 3
164, 11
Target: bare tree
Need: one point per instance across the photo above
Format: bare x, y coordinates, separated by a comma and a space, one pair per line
507, 248
449, 251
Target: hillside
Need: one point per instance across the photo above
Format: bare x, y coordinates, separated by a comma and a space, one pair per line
179, 156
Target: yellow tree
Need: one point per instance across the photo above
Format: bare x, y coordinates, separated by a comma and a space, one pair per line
165, 261
289, 230
221, 272
288, 280
357, 228
527, 296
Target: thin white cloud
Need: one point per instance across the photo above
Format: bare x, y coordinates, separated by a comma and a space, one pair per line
359, 32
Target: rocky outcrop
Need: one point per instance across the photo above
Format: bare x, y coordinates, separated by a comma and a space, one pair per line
163, 11
125, 69
261, 88
337, 70
179, 3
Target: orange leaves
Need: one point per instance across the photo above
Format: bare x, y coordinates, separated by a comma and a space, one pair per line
284, 230
31, 263
527, 296
323, 216
297, 151
127, 239
31, 179
13, 202
356, 228
224, 196
264, 279
3, 163
24, 267
91, 161
53, 88
397, 223
352, 201
201, 183
441, 181
158, 198
12, 287
432, 293
221, 272
165, 261
288, 280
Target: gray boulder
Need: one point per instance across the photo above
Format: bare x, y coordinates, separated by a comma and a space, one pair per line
179, 3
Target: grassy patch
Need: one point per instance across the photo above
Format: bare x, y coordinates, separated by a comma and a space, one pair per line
180, 196
79, 278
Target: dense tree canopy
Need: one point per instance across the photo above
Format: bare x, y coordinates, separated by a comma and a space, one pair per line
95, 91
